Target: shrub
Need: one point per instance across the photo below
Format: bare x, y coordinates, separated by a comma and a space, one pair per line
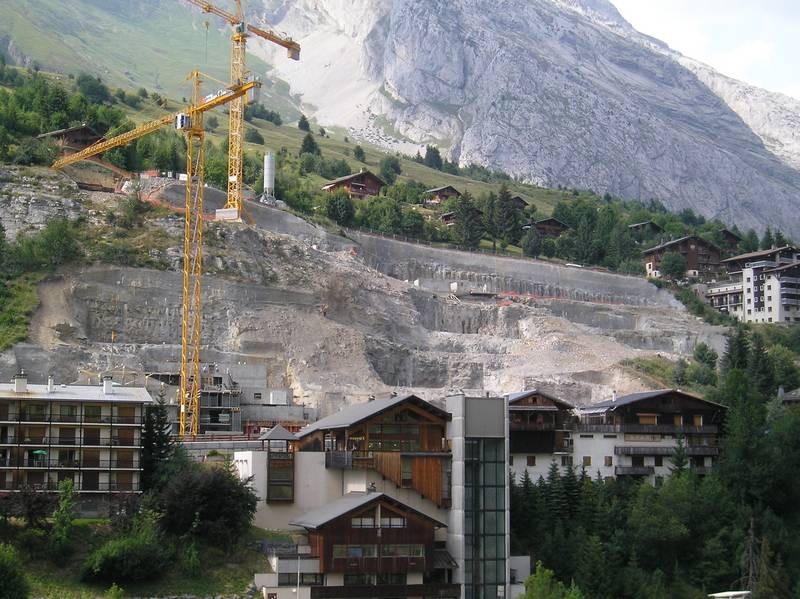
13, 583
140, 555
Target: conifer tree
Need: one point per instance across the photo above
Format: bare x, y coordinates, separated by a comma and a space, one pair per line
157, 445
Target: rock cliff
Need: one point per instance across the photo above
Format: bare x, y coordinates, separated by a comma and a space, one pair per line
556, 92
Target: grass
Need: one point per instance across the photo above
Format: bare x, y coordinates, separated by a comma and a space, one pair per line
221, 574
20, 302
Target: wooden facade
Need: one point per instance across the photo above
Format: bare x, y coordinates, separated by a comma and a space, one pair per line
405, 443
382, 536
358, 185
701, 256
550, 227
538, 423
441, 194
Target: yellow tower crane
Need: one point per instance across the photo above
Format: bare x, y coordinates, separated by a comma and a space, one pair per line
238, 73
191, 122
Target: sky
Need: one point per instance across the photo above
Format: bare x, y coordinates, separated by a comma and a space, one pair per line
756, 41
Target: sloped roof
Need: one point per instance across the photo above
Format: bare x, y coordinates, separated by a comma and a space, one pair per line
354, 176
519, 395
760, 253
651, 224
349, 503
277, 433
551, 219
672, 242
82, 126
446, 187
625, 400
359, 412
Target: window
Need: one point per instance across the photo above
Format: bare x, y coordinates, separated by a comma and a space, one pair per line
748, 280
697, 420
406, 476
91, 413
637, 461
510, 460
290, 579
649, 419
659, 460
609, 436
359, 578
609, 461
531, 460
363, 522
566, 461
345, 551
677, 420
402, 550
256, 395
393, 522
587, 461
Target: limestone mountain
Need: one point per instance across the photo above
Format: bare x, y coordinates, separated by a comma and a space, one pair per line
557, 92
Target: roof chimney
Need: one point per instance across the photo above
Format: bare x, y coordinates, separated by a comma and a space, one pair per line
613, 395
21, 382
51, 386
108, 385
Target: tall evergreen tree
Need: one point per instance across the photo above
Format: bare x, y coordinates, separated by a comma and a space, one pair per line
759, 367
737, 348
489, 207
468, 229
767, 241
507, 217
157, 445
309, 145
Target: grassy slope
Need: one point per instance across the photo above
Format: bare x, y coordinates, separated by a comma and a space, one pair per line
221, 573
150, 43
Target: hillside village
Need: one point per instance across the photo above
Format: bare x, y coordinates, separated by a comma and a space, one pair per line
416, 378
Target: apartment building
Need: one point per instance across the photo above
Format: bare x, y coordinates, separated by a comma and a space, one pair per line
90, 435
398, 497
631, 435
762, 286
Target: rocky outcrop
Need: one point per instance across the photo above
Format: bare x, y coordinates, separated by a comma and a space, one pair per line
556, 92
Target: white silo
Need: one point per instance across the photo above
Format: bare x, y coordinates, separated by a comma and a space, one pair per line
269, 175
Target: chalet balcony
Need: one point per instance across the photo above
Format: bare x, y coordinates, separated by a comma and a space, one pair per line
531, 426
347, 460
65, 464
700, 450
710, 429
387, 591
634, 470
112, 487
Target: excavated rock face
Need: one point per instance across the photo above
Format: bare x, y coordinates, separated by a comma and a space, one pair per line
335, 329
552, 91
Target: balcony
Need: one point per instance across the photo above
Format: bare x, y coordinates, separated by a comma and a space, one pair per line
346, 460
88, 488
387, 591
697, 450
64, 464
634, 470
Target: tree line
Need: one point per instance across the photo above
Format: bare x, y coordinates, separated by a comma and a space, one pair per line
691, 535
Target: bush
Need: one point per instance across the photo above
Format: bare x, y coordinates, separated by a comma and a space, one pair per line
253, 136
140, 555
209, 500
13, 583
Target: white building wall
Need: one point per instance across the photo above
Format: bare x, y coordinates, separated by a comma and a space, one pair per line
597, 447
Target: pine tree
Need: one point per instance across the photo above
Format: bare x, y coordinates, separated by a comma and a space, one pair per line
468, 229
767, 241
737, 348
157, 445
759, 367
680, 458
309, 145
303, 124
507, 221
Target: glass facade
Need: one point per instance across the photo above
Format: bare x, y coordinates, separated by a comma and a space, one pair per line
484, 517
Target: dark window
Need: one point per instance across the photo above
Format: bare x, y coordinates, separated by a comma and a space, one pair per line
531, 461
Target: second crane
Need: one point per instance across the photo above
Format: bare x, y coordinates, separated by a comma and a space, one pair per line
241, 30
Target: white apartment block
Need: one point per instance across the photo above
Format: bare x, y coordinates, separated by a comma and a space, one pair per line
90, 435
763, 287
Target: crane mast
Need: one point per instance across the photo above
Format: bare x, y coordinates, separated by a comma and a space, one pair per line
238, 73
191, 122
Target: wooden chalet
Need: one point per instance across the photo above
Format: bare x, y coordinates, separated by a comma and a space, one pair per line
73, 139
519, 203
550, 227
650, 423
402, 438
702, 257
358, 185
730, 239
440, 194
448, 219
786, 254
539, 423
382, 547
